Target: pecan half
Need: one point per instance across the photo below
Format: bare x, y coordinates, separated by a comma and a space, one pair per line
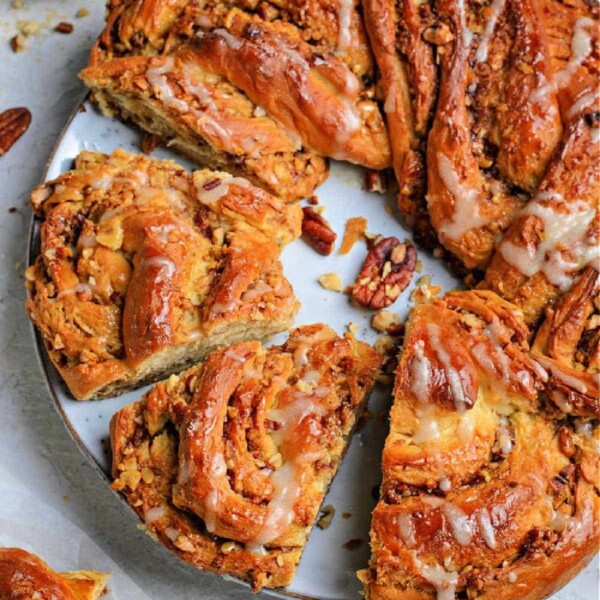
317, 232
385, 274
14, 122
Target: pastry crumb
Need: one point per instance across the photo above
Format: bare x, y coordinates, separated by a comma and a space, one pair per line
327, 514
384, 319
355, 228
82, 12
331, 281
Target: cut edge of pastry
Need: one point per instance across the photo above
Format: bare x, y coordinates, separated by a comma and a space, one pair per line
263, 567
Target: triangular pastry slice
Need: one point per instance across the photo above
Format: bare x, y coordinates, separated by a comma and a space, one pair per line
144, 268
228, 463
487, 490
24, 576
260, 90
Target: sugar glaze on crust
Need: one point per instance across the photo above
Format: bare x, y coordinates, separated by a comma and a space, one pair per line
228, 463
488, 491
144, 268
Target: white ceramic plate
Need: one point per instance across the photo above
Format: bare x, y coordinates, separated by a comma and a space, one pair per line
327, 570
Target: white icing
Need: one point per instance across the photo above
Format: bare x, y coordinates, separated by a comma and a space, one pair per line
154, 514
156, 77
406, 528
280, 510
462, 528
466, 32
222, 189
428, 428
486, 528
570, 380
445, 484
582, 103
345, 9
512, 577
166, 270
443, 581
466, 209
504, 437
561, 232
233, 42
79, 288
420, 373
455, 379
497, 8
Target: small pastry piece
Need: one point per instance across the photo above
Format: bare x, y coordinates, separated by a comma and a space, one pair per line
24, 576
567, 345
229, 462
144, 268
556, 235
483, 495
256, 89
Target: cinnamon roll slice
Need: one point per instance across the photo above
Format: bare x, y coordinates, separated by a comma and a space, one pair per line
228, 463
483, 494
263, 90
24, 576
144, 268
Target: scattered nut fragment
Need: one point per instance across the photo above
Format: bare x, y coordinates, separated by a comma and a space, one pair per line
331, 281
149, 142
384, 344
317, 232
313, 200
376, 181
14, 122
385, 274
228, 547
82, 12
29, 27
327, 513
17, 43
384, 320
64, 27
355, 228
346, 515
353, 328
565, 438
353, 544
17, 4
438, 34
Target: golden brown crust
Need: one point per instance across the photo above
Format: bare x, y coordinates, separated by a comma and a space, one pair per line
483, 492
307, 65
478, 95
144, 268
567, 345
555, 236
24, 576
228, 463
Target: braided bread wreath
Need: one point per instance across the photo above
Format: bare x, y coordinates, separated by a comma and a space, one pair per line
488, 113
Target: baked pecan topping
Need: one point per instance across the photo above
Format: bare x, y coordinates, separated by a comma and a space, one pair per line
64, 27
317, 232
385, 274
14, 122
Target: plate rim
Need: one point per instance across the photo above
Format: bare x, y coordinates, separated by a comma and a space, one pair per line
46, 366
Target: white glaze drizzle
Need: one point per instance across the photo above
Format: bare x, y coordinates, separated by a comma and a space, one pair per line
561, 232
466, 208
345, 9
497, 8
156, 77
219, 191
569, 380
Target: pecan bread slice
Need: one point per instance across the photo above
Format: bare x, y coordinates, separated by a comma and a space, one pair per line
24, 576
144, 268
262, 91
228, 463
487, 491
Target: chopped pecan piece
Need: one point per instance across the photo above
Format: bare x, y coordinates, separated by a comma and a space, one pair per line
317, 232
376, 181
14, 122
355, 228
64, 27
385, 274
